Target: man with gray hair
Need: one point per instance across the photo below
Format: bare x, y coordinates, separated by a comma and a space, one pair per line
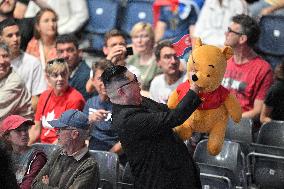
71, 166
14, 97
157, 156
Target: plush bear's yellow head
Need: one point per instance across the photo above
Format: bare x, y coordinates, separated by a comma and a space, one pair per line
209, 62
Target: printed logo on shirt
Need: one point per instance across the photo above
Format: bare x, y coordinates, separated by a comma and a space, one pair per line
108, 117
230, 83
49, 117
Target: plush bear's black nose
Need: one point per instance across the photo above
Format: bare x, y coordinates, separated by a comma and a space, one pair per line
194, 78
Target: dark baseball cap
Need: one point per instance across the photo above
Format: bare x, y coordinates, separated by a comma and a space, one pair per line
71, 118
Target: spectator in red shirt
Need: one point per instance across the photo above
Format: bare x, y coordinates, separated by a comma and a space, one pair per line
54, 101
247, 76
27, 161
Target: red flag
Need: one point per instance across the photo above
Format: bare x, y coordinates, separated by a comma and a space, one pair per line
181, 45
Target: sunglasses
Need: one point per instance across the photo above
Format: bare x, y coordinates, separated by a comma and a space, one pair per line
235, 32
135, 80
56, 61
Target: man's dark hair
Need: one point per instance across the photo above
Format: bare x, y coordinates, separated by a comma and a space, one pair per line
67, 38
101, 64
6, 23
114, 73
160, 46
113, 33
250, 28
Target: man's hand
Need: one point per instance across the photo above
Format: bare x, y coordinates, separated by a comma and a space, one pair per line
45, 179
98, 115
116, 54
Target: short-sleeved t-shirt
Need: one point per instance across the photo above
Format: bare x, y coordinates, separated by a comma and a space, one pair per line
50, 107
248, 81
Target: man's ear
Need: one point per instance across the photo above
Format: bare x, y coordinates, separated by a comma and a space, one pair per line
105, 50
243, 39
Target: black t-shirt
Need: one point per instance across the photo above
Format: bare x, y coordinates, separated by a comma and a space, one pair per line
275, 100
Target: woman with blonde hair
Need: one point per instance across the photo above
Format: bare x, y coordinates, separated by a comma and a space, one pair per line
42, 45
54, 101
143, 62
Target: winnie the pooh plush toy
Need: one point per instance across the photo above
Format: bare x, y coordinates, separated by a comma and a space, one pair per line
209, 64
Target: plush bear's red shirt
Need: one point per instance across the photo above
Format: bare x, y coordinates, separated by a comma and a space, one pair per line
210, 100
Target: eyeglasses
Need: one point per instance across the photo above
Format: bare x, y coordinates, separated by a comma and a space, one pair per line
135, 80
56, 61
235, 32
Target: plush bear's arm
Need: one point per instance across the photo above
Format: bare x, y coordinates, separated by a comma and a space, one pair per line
234, 108
173, 100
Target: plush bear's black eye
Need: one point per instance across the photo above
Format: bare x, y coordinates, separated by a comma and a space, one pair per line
208, 75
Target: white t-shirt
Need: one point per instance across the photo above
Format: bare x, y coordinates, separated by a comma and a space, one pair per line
214, 20
72, 14
30, 71
160, 90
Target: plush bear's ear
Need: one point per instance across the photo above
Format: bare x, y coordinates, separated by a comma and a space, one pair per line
197, 43
228, 52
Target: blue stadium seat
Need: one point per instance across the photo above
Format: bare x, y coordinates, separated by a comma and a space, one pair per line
108, 167
103, 16
136, 11
226, 170
271, 41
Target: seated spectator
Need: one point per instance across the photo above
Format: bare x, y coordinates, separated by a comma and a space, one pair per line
143, 62
54, 101
273, 107
265, 7
26, 66
174, 18
115, 51
27, 161
7, 8
247, 75
163, 85
214, 19
98, 108
67, 48
42, 44
7, 176
14, 97
71, 166
72, 15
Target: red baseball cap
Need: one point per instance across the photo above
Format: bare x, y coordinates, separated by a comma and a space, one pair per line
13, 122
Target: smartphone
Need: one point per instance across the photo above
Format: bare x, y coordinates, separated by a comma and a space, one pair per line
129, 51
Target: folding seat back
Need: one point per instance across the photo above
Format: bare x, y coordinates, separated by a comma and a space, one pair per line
127, 179
230, 158
272, 134
136, 11
48, 149
240, 132
271, 40
102, 15
108, 167
266, 166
